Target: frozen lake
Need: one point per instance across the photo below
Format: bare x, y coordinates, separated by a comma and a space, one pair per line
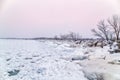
37, 60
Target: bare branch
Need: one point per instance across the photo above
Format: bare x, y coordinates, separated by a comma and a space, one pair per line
114, 22
102, 30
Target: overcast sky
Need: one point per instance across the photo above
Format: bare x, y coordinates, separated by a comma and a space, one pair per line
35, 18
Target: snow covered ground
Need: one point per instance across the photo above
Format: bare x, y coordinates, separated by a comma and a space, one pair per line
55, 60
36, 60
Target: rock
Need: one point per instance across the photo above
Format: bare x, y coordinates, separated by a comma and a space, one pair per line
8, 59
13, 72
79, 58
78, 42
99, 44
28, 58
41, 71
90, 44
117, 62
115, 48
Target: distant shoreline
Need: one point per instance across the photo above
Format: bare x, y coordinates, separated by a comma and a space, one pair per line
45, 38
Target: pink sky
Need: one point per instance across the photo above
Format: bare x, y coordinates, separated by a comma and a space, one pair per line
28, 18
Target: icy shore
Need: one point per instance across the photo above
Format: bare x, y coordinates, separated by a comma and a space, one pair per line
55, 60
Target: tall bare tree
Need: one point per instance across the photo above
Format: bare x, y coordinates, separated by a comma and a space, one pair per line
102, 31
114, 22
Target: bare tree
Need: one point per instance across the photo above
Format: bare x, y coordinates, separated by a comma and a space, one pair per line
74, 36
64, 37
102, 31
114, 22
70, 36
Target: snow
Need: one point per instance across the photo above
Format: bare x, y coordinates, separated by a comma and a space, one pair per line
37, 60
55, 60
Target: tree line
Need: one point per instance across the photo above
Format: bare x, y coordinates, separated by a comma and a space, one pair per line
108, 29
69, 36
